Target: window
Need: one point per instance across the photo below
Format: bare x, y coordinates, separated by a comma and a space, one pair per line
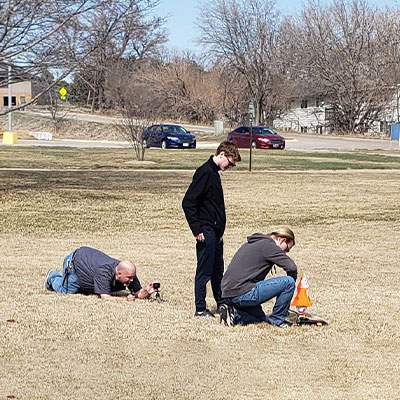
329, 114
303, 129
263, 131
318, 130
304, 103
242, 129
13, 101
318, 102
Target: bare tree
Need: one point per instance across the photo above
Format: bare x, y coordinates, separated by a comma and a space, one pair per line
388, 36
192, 92
59, 115
338, 52
127, 32
37, 36
245, 34
232, 88
177, 87
131, 129
138, 111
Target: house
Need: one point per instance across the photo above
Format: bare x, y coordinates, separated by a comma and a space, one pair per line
305, 115
312, 114
21, 86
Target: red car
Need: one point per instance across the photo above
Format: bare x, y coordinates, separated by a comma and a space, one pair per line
263, 138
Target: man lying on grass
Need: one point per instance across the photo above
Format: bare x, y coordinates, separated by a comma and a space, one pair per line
244, 288
90, 271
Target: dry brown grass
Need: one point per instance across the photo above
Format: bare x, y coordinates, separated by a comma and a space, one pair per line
76, 347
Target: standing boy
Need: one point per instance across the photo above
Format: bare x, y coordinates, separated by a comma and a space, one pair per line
204, 209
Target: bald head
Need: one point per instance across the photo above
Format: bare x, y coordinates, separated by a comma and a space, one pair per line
125, 272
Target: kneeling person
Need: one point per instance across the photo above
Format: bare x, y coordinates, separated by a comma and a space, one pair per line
91, 271
244, 288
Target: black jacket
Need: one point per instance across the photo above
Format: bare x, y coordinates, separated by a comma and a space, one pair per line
203, 203
251, 264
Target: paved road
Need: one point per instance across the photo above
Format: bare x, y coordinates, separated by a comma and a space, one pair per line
294, 141
314, 143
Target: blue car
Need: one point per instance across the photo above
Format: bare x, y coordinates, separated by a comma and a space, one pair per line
168, 136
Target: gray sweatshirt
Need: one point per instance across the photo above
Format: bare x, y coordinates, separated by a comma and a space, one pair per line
251, 264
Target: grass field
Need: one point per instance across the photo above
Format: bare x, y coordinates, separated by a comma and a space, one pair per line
344, 210
73, 158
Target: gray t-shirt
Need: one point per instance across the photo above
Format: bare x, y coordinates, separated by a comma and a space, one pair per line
251, 264
96, 272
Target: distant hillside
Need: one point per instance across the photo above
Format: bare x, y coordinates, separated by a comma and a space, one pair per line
67, 129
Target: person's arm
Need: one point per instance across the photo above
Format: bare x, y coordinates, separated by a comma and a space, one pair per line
275, 255
145, 293
129, 297
190, 202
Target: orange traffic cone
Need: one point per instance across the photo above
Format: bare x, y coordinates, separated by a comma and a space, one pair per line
302, 300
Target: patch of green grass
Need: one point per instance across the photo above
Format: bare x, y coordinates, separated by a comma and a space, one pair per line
105, 158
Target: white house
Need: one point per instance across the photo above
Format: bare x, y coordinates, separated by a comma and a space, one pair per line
312, 114
306, 115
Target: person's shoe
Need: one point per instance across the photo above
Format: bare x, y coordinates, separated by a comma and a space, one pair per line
283, 325
219, 309
206, 313
46, 283
227, 315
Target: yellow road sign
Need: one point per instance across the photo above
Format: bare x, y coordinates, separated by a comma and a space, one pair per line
63, 92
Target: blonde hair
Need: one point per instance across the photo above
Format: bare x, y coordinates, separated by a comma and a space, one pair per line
285, 233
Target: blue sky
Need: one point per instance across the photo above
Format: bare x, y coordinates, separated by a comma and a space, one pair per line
183, 14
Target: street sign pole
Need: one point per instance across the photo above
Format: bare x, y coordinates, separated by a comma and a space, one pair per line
251, 142
10, 124
251, 118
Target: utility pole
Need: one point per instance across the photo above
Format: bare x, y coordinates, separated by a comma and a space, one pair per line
9, 100
9, 137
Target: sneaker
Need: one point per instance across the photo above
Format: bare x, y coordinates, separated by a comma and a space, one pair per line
219, 309
46, 283
227, 315
206, 313
284, 325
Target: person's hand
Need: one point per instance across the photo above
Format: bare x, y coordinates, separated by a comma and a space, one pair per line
130, 297
150, 290
200, 237
221, 239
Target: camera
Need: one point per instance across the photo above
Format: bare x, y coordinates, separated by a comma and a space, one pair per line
156, 287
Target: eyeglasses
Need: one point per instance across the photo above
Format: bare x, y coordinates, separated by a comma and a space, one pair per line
288, 248
231, 164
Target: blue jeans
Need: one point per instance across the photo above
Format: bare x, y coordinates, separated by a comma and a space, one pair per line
66, 284
210, 266
248, 308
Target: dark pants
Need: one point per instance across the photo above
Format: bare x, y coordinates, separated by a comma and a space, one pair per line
210, 266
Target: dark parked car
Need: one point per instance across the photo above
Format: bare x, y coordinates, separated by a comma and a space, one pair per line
263, 138
168, 136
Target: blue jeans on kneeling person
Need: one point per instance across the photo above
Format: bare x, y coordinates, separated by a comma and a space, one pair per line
65, 283
248, 308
